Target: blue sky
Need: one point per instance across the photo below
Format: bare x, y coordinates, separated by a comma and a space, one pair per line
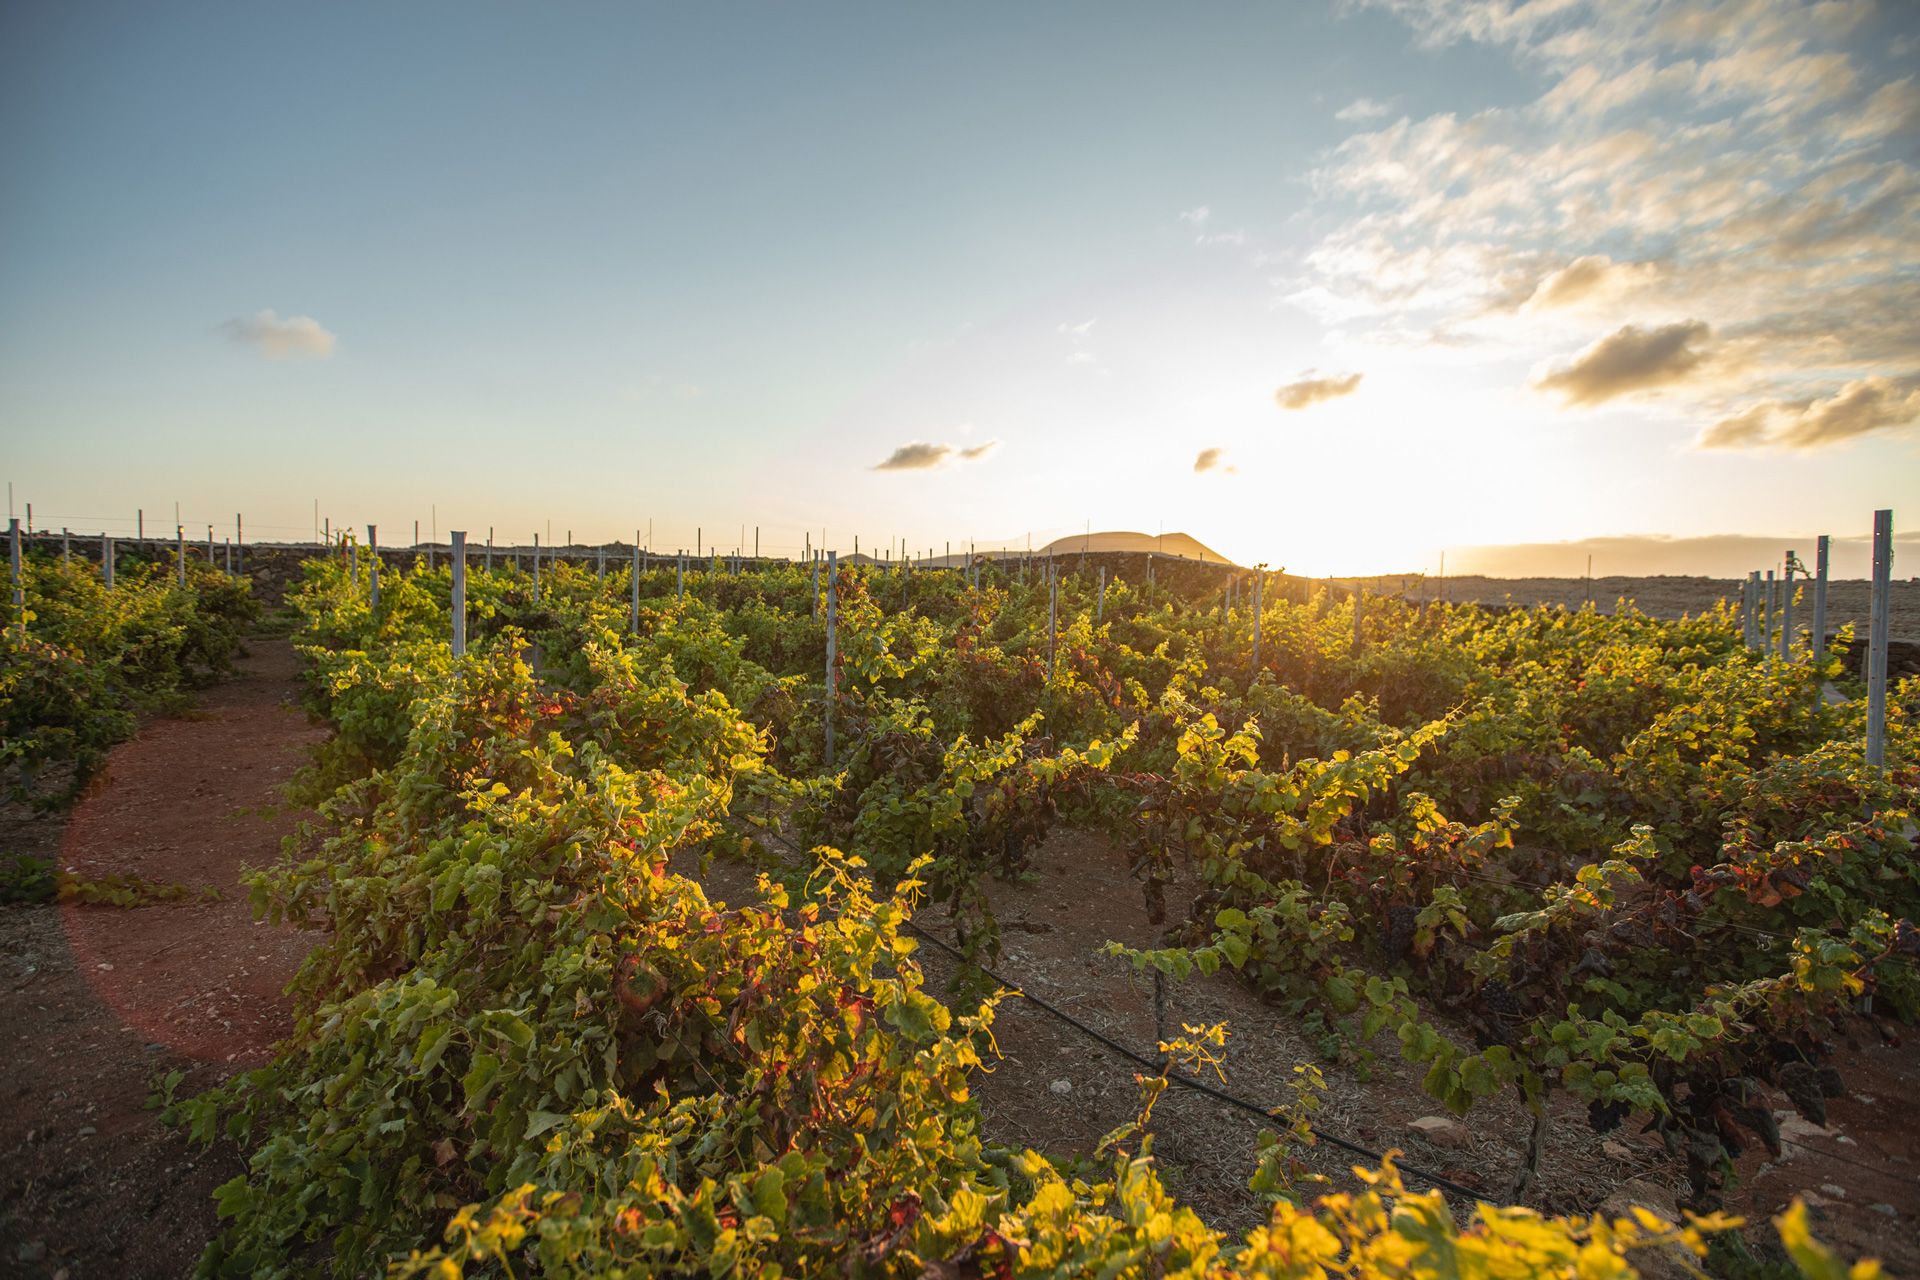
714, 265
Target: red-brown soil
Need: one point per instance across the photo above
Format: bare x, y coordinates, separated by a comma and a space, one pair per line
98, 1003
1058, 1090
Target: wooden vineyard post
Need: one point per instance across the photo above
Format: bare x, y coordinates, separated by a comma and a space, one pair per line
1766, 616
106, 561
1753, 610
1786, 610
1877, 638
1100, 602
603, 564
353, 562
1820, 597
833, 591
1053, 603
209, 546
180, 553
680, 577
1259, 582
66, 548
140, 524
458, 547
19, 583
239, 544
1149, 577
814, 612
489, 548
373, 568
633, 605
536, 566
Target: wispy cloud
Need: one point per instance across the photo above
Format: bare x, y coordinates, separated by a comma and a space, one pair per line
922, 456
277, 339
1214, 459
1859, 408
1197, 215
1589, 278
1627, 360
1739, 165
1077, 334
1362, 109
1309, 389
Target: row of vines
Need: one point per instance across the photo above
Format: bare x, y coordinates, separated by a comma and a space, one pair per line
1531, 851
81, 661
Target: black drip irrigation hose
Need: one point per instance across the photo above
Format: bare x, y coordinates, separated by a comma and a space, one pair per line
1332, 1140
1251, 1108
1190, 1082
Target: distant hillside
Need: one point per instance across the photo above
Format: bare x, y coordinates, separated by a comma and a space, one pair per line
1183, 545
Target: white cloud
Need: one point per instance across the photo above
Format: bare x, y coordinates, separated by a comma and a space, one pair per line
1630, 359
277, 339
1214, 459
1591, 278
1859, 408
1309, 389
1196, 215
1362, 109
1077, 334
919, 455
1731, 164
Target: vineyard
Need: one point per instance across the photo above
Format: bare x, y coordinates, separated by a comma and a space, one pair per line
85, 658
630, 910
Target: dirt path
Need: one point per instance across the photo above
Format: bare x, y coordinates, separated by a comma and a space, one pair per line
96, 1003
